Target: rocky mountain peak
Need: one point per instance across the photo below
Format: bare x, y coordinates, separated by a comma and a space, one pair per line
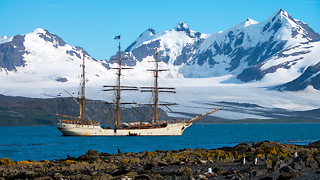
244, 24
276, 21
283, 12
282, 21
49, 37
39, 31
182, 26
148, 32
249, 22
2, 38
298, 27
280, 13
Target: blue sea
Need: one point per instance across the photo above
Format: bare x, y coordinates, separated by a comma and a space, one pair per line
46, 142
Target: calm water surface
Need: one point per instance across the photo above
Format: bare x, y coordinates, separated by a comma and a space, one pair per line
46, 142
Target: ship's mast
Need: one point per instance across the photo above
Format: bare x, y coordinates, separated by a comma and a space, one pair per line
82, 98
156, 89
83, 86
118, 88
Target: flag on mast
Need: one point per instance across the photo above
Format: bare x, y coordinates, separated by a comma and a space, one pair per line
117, 37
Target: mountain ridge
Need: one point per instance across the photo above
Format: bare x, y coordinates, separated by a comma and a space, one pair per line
43, 56
248, 50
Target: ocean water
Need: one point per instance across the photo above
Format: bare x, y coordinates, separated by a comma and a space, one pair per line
46, 142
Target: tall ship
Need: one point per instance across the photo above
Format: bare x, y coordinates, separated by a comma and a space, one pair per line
80, 126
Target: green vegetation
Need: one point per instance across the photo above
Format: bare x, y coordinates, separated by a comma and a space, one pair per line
22, 111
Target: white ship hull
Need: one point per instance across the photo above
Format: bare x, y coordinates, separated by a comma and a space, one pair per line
174, 129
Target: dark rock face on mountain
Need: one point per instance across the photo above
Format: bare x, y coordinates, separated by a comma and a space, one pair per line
249, 74
309, 32
311, 76
146, 50
181, 26
11, 53
60, 79
127, 59
49, 37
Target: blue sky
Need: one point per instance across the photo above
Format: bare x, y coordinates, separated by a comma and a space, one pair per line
93, 24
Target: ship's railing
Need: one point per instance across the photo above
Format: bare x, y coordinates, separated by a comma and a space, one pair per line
67, 121
174, 121
95, 123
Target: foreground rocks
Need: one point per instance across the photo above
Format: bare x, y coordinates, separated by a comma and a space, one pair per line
263, 160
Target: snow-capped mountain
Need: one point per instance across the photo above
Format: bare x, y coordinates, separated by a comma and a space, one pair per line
175, 46
277, 50
278, 47
43, 57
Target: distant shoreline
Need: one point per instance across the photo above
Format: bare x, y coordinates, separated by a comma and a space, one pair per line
262, 121
206, 123
23, 111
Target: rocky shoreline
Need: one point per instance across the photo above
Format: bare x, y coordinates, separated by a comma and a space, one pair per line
264, 160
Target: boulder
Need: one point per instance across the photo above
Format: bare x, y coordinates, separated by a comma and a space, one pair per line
286, 176
142, 176
266, 178
90, 155
185, 171
120, 171
163, 164
286, 169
